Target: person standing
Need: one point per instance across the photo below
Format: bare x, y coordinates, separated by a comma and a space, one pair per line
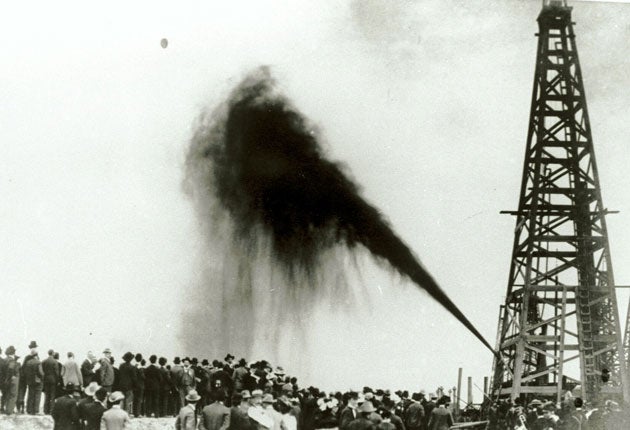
414, 415
138, 392
52, 376
441, 418
176, 375
86, 401
106, 370
115, 418
33, 376
186, 381
187, 417
127, 381
71, 372
165, 387
3, 363
215, 416
11, 382
23, 384
152, 385
64, 411
95, 410
87, 369
349, 413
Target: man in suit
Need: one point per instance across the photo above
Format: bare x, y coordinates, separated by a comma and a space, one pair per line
138, 391
33, 377
64, 411
187, 379
115, 418
52, 376
87, 369
414, 415
363, 422
215, 416
106, 370
95, 410
240, 372
428, 408
11, 380
86, 401
152, 386
350, 412
127, 380
441, 418
176, 375
71, 373
187, 417
165, 387
23, 384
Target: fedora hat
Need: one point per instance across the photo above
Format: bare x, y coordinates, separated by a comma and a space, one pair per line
367, 407
267, 398
193, 396
245, 394
116, 396
91, 389
33, 344
107, 351
257, 393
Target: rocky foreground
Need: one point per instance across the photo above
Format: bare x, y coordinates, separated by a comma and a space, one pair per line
45, 422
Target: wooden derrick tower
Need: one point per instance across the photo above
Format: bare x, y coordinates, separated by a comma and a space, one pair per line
559, 327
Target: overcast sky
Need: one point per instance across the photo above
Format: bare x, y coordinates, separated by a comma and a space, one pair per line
425, 102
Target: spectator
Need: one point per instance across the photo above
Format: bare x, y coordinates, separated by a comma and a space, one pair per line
23, 385
187, 417
52, 376
71, 372
363, 422
95, 411
115, 418
215, 416
127, 380
165, 387
153, 383
106, 370
64, 410
87, 369
138, 392
441, 418
11, 381
33, 377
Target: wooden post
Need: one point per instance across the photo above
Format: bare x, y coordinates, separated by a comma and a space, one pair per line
485, 386
459, 388
470, 393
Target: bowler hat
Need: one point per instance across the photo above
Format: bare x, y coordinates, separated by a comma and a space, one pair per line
33, 344
128, 356
205, 362
279, 371
228, 357
107, 351
193, 396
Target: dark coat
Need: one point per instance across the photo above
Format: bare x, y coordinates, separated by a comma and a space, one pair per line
441, 419
361, 424
239, 420
152, 378
50, 367
165, 380
65, 414
414, 416
140, 377
215, 417
87, 372
33, 371
127, 377
347, 415
93, 414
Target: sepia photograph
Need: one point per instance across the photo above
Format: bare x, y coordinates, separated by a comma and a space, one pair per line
307, 215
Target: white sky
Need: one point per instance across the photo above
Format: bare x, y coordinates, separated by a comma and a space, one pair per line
426, 102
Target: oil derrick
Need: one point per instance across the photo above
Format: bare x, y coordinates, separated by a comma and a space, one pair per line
559, 327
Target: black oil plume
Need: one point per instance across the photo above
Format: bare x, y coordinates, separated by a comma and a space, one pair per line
269, 173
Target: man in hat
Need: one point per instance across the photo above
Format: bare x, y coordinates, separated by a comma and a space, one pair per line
64, 410
127, 380
115, 418
106, 370
33, 377
52, 377
138, 392
258, 417
177, 372
83, 403
350, 412
414, 415
215, 416
428, 408
152, 384
239, 420
11, 380
165, 387
186, 381
441, 418
229, 360
87, 369
187, 417
23, 386
95, 410
363, 422
238, 376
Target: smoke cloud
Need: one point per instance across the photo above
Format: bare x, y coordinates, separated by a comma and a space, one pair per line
280, 218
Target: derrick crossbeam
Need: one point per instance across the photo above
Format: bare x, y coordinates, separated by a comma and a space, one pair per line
559, 325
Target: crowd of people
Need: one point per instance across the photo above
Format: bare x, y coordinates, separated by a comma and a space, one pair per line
237, 395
